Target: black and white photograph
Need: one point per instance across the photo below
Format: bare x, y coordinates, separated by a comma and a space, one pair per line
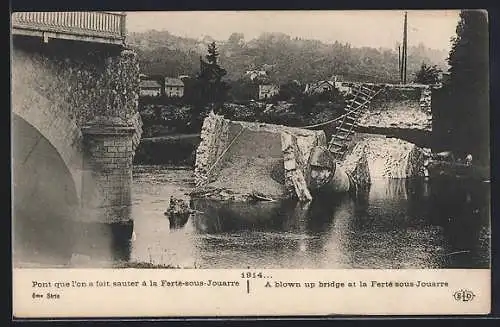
251, 139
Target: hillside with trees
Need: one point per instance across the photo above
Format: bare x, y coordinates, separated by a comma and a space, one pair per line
284, 58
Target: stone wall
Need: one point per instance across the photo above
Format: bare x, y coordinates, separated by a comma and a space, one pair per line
84, 86
426, 100
296, 152
108, 173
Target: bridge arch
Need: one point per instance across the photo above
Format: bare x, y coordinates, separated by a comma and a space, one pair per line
46, 113
38, 166
45, 198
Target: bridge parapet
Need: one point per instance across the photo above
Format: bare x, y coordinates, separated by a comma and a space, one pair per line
94, 26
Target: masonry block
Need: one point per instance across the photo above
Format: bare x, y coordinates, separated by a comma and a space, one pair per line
108, 174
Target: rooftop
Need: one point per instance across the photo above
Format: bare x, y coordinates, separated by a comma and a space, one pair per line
149, 84
171, 81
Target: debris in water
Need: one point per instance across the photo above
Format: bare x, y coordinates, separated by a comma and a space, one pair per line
260, 197
178, 212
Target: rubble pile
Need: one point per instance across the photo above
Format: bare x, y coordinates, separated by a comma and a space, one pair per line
393, 158
244, 161
88, 85
178, 212
356, 165
235, 159
295, 168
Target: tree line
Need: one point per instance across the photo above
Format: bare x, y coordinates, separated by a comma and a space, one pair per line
283, 57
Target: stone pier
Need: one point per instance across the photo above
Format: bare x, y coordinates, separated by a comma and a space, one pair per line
107, 178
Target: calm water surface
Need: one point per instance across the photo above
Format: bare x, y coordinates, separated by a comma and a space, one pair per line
397, 224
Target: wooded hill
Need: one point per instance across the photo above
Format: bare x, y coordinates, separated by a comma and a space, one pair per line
283, 57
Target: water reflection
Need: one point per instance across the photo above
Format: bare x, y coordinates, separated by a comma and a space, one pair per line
62, 242
395, 224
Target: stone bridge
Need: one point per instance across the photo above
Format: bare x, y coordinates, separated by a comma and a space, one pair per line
75, 128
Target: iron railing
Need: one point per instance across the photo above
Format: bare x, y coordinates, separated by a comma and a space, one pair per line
97, 24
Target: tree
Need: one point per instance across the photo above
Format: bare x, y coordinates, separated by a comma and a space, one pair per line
236, 39
465, 112
212, 91
213, 54
468, 57
427, 74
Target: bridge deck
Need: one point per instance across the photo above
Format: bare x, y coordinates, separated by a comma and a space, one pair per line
100, 27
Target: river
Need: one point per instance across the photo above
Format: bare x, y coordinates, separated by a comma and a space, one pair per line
398, 224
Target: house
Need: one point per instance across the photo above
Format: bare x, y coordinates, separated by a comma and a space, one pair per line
267, 91
339, 82
319, 87
343, 87
252, 74
337, 78
149, 87
174, 87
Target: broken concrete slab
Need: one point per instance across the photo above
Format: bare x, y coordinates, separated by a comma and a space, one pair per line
295, 168
235, 159
355, 165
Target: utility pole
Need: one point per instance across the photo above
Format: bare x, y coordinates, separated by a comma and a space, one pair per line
405, 47
399, 64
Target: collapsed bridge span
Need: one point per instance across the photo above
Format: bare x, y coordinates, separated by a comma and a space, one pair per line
241, 161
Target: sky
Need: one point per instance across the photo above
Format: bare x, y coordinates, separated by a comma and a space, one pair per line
380, 28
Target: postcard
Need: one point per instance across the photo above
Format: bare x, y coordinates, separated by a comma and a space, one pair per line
250, 163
